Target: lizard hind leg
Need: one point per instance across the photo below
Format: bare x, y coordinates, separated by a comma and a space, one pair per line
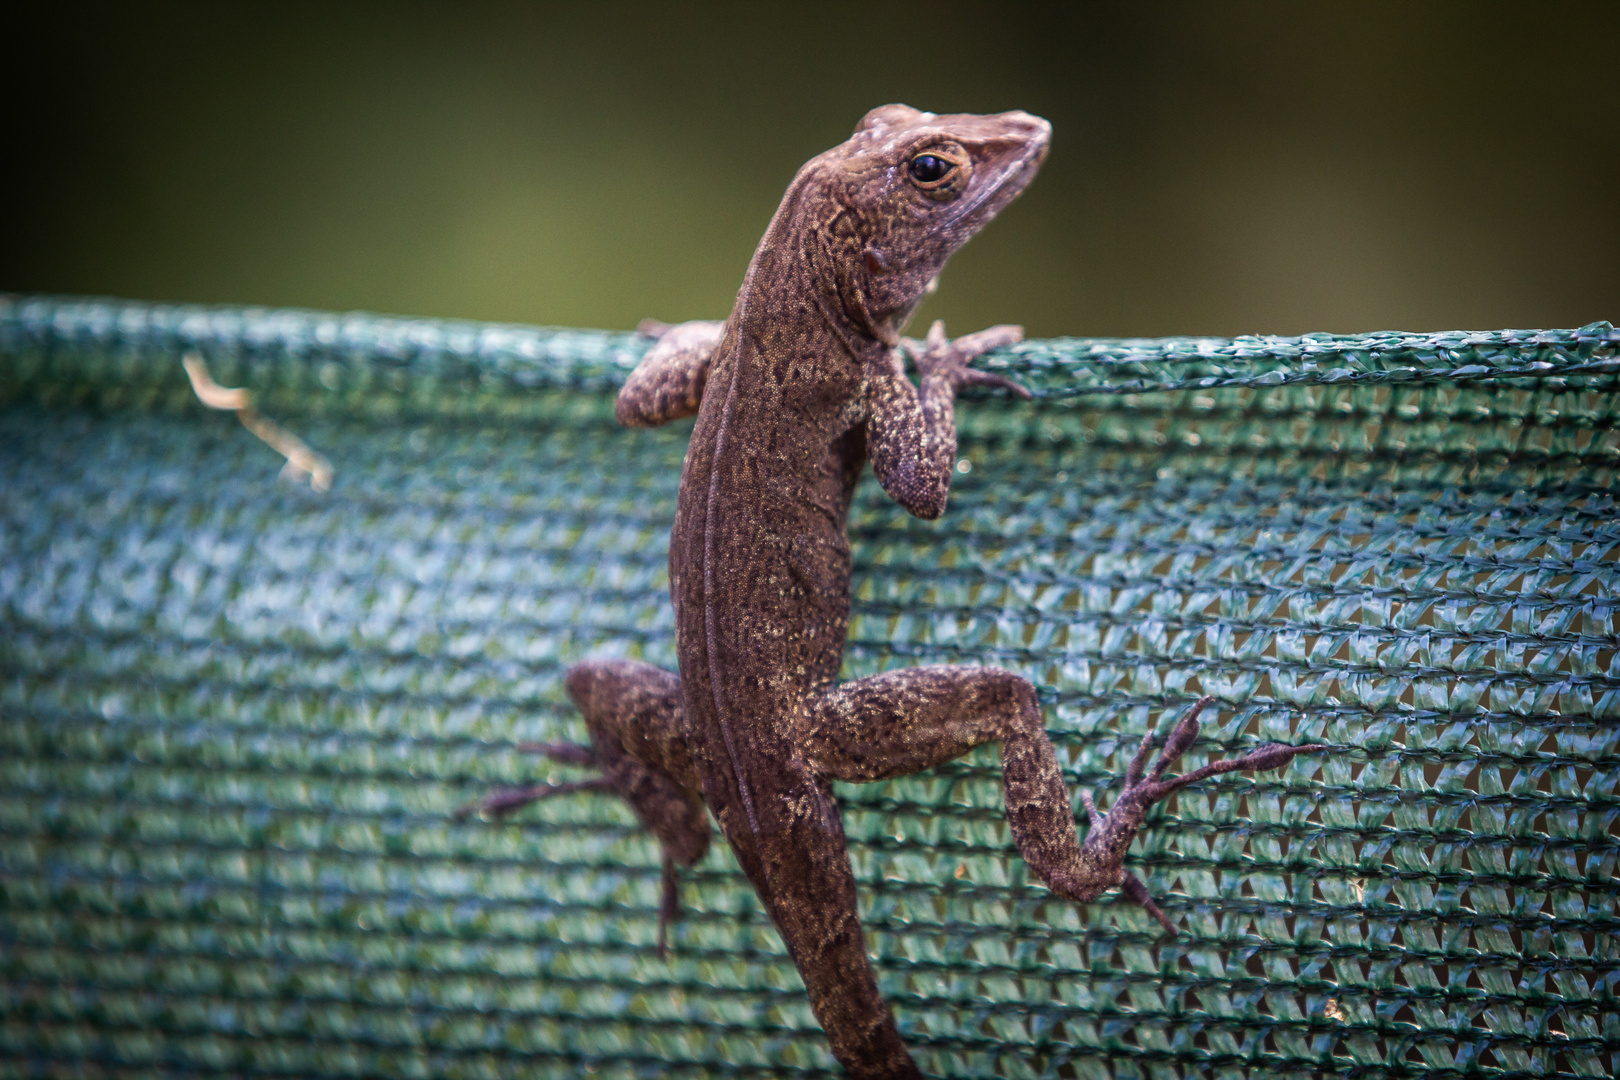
903, 721
900, 722
636, 720
634, 714
637, 724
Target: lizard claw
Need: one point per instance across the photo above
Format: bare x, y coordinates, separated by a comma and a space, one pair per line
1110, 836
980, 341
938, 355
670, 908
976, 377
1132, 887
503, 802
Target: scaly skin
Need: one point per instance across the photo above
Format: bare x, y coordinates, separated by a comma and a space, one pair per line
794, 393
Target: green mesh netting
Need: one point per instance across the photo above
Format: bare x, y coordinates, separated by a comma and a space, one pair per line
235, 714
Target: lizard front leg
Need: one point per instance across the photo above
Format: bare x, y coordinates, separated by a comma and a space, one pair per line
668, 383
911, 430
901, 722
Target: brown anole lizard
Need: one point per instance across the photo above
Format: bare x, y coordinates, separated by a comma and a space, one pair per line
802, 385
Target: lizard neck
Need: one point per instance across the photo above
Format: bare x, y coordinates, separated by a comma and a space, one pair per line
812, 251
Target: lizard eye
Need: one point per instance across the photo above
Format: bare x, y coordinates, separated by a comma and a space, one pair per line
940, 171
928, 169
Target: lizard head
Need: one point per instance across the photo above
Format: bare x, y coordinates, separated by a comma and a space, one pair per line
904, 193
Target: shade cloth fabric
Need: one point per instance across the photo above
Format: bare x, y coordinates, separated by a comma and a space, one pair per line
236, 713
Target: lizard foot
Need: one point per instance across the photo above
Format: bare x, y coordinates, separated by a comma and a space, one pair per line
501, 803
1110, 836
507, 800
939, 355
512, 799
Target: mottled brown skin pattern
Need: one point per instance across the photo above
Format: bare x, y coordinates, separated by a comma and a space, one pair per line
794, 393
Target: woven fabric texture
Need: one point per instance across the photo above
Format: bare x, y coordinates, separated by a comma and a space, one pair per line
236, 714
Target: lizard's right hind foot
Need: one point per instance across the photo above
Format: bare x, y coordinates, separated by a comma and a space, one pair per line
633, 711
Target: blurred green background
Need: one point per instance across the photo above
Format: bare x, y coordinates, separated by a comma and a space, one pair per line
1218, 168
